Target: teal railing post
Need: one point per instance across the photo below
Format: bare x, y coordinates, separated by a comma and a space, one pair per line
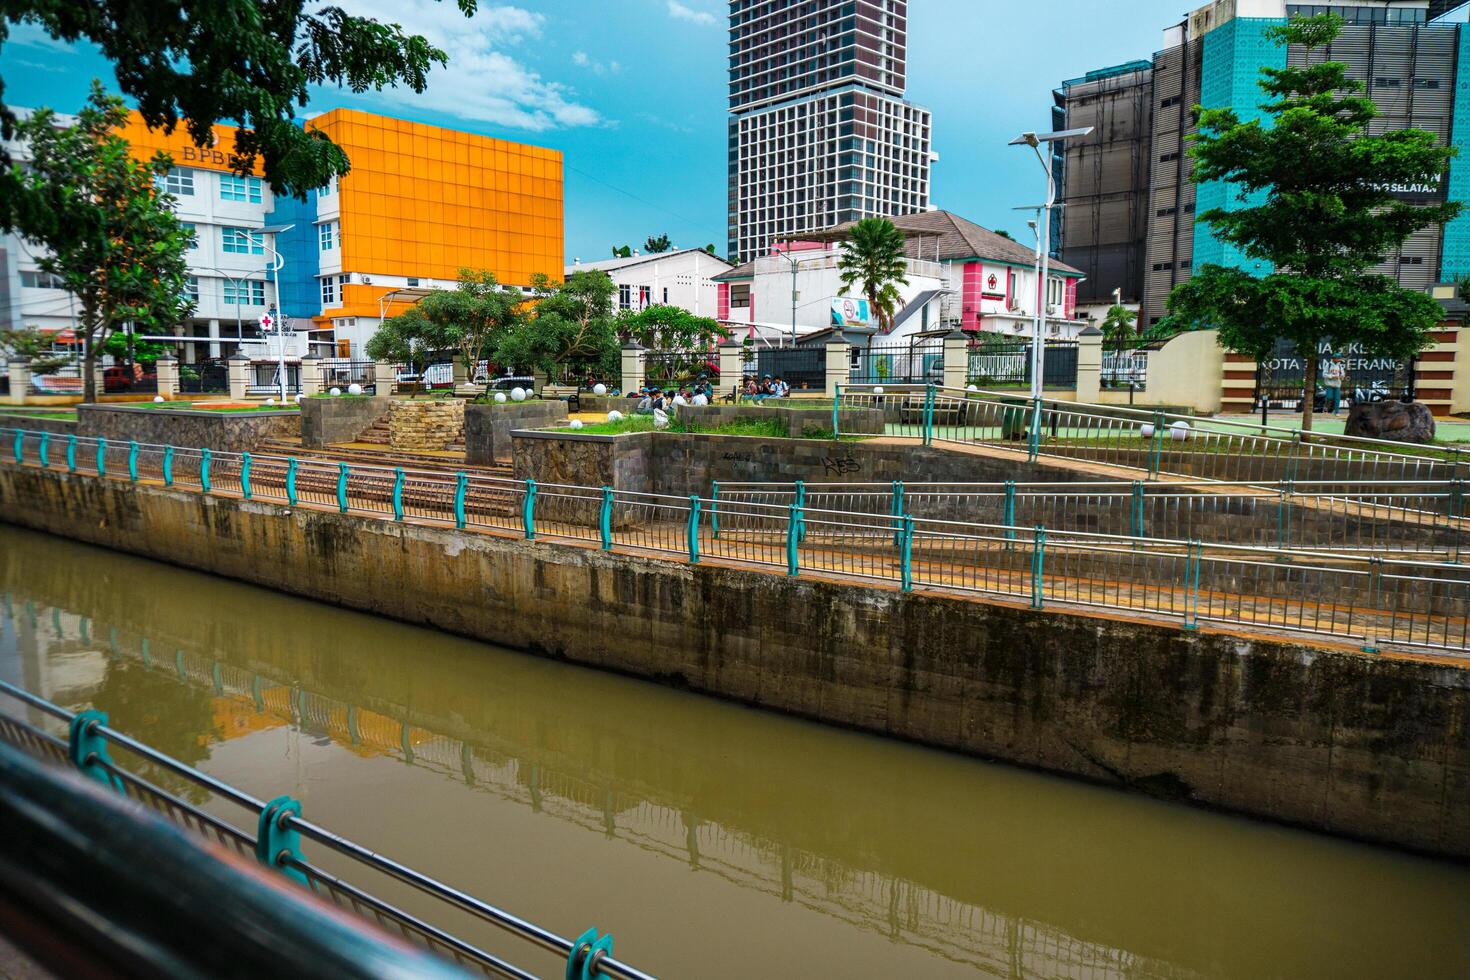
245, 475
1291, 461
291, 480
43, 452
528, 511
1191, 585
101, 457
693, 529
461, 486
87, 749
342, 487
895, 510
1375, 582
19, 446
1033, 443
1156, 450
276, 840
714, 507
1137, 509
801, 505
928, 415
398, 479
1008, 518
71, 454
168, 466
793, 523
1038, 564
604, 518
1457, 509
204, 459
584, 954
905, 554
836, 401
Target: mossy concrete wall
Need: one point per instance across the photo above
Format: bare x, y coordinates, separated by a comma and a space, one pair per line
329, 420
487, 428
1376, 747
32, 423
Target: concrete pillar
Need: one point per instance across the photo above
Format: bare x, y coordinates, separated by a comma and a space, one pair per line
461, 375
239, 369
214, 338
838, 364
167, 369
635, 360
1089, 365
956, 359
539, 380
384, 375
732, 366
20, 380
311, 376
98, 377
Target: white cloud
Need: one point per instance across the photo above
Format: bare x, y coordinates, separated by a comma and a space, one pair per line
32, 36
680, 12
583, 60
481, 82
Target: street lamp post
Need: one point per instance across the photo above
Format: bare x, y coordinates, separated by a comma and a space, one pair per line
1034, 141
279, 320
793, 263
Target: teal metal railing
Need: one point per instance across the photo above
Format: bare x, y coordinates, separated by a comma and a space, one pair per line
1323, 589
277, 835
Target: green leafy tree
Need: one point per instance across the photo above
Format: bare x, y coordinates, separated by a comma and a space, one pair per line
112, 236
249, 62
1326, 218
710, 248
655, 245
670, 328
874, 262
35, 346
570, 329
408, 338
1117, 325
125, 347
622, 251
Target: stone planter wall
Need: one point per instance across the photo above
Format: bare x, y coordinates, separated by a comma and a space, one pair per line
235, 432
328, 420
426, 424
487, 428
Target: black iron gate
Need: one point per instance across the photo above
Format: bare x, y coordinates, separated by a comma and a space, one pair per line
1281, 378
917, 361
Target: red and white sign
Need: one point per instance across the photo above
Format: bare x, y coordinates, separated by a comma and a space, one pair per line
267, 322
993, 285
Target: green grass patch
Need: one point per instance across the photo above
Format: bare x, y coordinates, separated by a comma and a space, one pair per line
204, 407
343, 395
59, 416
759, 428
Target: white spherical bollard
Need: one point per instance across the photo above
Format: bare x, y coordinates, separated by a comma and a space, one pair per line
878, 390
335, 392
500, 398
518, 394
599, 389
270, 401
1179, 431
157, 398
574, 424
354, 389
972, 388
1146, 430
614, 415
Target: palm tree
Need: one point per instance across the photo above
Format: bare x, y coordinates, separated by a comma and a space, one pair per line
874, 259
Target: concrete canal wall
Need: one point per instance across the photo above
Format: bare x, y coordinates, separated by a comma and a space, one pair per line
1376, 747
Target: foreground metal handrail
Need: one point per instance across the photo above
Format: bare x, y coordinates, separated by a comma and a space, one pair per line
598, 960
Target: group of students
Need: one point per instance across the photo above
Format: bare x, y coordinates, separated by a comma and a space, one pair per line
766, 387
651, 400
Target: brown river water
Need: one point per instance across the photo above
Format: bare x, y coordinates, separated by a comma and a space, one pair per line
712, 840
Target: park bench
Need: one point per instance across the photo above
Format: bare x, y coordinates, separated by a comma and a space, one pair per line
570, 394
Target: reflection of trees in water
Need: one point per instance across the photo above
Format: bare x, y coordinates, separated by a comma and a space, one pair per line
173, 717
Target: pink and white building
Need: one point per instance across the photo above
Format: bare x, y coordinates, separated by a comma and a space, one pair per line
959, 275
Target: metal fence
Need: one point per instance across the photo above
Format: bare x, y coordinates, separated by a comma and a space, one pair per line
1125, 367
210, 376
799, 367
919, 361
272, 833
1153, 443
1369, 598
680, 368
341, 372
1003, 365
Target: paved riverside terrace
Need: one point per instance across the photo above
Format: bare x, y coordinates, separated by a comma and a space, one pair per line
1366, 599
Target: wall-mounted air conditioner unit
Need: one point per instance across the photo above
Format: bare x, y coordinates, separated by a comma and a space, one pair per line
365, 280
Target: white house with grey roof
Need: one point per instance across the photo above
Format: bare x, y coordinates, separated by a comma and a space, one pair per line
683, 277
959, 275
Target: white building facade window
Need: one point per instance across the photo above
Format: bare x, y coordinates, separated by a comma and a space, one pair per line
179, 182
241, 241
191, 290
327, 235
331, 289
244, 292
41, 280
233, 187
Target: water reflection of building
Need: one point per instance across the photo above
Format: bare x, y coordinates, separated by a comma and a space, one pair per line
243, 702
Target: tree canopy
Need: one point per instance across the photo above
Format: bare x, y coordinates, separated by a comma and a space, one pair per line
569, 330
469, 320
110, 233
246, 62
653, 245
1327, 215
874, 262
1117, 325
670, 328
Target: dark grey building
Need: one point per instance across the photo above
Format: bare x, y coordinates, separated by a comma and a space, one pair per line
819, 132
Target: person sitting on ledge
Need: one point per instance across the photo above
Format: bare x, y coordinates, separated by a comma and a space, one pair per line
780, 389
645, 403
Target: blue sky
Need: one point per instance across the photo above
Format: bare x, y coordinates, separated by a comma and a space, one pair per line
633, 93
